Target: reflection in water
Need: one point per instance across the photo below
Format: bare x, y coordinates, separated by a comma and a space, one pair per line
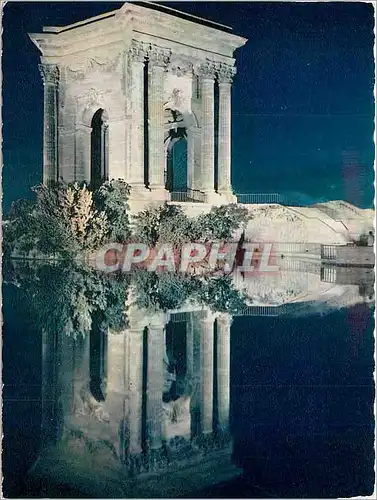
131, 392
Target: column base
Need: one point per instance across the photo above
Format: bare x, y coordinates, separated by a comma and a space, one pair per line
159, 193
139, 199
228, 196
220, 198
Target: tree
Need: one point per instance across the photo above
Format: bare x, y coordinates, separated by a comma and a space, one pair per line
68, 220
112, 199
222, 221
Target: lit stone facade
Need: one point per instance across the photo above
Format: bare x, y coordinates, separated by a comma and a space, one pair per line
154, 75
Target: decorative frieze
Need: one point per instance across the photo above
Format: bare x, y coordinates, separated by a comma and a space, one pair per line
80, 69
180, 68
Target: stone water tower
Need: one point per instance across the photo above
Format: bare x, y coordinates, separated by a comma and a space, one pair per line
123, 88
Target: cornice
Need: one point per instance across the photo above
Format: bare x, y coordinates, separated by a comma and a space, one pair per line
122, 25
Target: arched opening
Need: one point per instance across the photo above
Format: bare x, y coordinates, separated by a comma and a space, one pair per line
99, 168
175, 152
98, 361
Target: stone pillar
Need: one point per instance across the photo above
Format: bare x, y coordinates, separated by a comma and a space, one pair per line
82, 153
207, 171
224, 322
207, 340
155, 380
135, 387
158, 60
136, 171
190, 348
50, 77
49, 393
225, 76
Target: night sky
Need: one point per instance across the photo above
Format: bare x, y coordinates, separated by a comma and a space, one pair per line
303, 106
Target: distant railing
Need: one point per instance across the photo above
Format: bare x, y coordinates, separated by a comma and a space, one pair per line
328, 252
271, 311
262, 198
267, 198
328, 274
182, 317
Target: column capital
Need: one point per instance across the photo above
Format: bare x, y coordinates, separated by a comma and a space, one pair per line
137, 51
225, 319
158, 56
157, 320
49, 73
208, 319
225, 73
207, 70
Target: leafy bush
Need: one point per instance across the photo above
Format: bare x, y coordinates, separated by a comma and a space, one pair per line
221, 222
220, 295
65, 299
112, 199
169, 224
162, 291
67, 220
168, 290
165, 224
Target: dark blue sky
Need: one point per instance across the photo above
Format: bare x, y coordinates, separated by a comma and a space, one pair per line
303, 107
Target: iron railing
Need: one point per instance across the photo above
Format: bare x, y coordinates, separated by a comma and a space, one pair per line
328, 274
262, 198
189, 195
328, 252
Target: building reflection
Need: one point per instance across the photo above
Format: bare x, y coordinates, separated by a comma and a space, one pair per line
132, 400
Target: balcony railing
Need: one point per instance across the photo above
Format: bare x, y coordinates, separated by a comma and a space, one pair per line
188, 195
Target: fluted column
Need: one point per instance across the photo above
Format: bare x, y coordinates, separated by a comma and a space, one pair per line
224, 322
207, 339
135, 387
83, 153
136, 171
190, 348
225, 77
50, 77
207, 171
158, 60
155, 380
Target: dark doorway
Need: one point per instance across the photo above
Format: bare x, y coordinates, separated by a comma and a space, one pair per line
99, 149
176, 164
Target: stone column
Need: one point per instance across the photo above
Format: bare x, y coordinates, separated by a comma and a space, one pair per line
193, 158
224, 322
207, 171
83, 153
136, 171
158, 60
135, 387
155, 380
50, 77
190, 348
207, 339
49, 392
225, 76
